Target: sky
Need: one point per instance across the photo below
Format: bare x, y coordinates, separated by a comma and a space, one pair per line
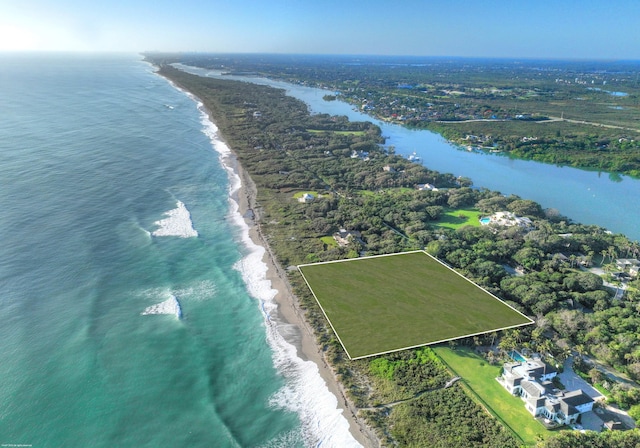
559, 29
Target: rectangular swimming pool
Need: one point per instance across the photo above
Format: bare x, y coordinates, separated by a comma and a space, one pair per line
517, 356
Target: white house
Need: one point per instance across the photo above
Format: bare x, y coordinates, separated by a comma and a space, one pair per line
531, 381
429, 187
625, 264
307, 197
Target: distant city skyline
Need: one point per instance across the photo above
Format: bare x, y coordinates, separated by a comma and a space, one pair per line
569, 29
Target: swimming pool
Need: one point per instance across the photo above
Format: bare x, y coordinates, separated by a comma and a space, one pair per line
517, 356
485, 220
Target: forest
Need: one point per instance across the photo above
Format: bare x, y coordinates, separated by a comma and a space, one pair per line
360, 186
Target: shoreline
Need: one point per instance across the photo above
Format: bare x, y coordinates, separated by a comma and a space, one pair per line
288, 311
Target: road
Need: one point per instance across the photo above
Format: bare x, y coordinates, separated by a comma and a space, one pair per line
548, 120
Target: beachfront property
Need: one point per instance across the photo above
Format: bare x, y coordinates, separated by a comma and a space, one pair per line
506, 219
531, 380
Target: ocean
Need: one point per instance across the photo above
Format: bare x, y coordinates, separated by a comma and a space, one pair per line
134, 307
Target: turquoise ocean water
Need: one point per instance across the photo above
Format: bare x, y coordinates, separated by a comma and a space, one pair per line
133, 307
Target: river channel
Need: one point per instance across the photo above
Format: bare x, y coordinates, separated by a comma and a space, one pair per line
589, 197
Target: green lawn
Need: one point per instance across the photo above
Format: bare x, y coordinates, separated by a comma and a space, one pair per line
600, 388
299, 194
454, 219
382, 304
329, 241
481, 378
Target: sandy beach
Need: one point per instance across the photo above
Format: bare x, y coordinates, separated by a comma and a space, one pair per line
289, 310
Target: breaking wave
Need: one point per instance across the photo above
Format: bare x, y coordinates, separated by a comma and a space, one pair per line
177, 223
169, 306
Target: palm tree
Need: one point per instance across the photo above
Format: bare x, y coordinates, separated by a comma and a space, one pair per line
580, 349
544, 347
589, 258
635, 248
572, 258
507, 343
517, 335
494, 335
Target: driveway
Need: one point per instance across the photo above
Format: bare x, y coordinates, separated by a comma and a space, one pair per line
612, 375
572, 381
591, 421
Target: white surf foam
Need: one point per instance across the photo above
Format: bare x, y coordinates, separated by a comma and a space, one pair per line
177, 223
202, 290
169, 306
305, 392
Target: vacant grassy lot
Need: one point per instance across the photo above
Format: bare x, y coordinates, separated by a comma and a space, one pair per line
454, 219
481, 378
382, 304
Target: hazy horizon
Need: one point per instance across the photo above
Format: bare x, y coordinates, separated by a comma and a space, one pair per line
587, 30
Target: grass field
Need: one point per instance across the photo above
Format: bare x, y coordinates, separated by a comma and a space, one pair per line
454, 219
382, 304
299, 194
480, 377
329, 241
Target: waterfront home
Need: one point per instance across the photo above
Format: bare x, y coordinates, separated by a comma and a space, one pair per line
428, 187
626, 264
506, 219
531, 381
